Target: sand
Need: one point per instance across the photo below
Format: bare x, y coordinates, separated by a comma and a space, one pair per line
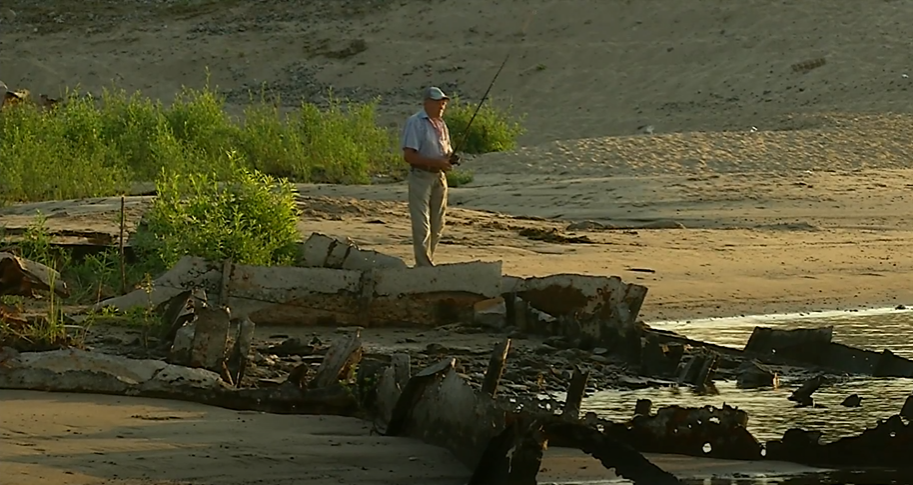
761, 190
76, 439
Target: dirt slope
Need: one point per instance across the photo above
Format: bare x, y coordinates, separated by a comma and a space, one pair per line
584, 68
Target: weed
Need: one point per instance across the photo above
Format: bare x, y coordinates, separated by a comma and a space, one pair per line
493, 130
252, 219
103, 145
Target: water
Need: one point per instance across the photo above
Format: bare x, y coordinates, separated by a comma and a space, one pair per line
770, 413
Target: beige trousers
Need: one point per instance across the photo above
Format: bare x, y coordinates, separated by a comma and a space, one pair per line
427, 206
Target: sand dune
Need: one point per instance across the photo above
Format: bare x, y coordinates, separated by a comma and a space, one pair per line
579, 69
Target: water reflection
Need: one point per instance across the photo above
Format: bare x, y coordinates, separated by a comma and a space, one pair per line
892, 330
771, 414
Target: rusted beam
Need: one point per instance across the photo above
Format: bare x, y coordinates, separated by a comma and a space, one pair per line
575, 394
496, 368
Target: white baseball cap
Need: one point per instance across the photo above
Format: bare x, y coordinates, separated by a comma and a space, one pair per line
435, 93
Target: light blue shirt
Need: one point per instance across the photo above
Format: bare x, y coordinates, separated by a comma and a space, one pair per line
420, 135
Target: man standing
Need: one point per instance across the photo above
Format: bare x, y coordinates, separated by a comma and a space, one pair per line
427, 150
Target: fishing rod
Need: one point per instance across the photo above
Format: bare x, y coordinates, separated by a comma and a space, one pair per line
462, 142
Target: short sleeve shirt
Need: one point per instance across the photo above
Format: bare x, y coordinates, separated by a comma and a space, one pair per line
424, 135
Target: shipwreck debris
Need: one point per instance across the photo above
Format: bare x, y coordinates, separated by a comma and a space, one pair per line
686, 431
803, 395
424, 296
752, 375
501, 443
888, 444
24, 277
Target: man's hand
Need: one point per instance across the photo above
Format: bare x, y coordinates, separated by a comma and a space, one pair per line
454, 159
444, 164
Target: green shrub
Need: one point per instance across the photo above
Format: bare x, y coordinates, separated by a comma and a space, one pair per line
457, 177
97, 147
251, 218
493, 130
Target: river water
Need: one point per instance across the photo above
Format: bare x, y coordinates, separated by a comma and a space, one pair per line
770, 413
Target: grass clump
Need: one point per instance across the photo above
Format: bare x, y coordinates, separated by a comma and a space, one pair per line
251, 217
493, 130
87, 147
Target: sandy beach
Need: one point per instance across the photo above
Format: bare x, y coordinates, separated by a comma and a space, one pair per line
762, 188
73, 439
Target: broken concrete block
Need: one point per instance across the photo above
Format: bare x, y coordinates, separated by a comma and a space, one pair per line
190, 272
210, 338
175, 377
74, 370
323, 251
315, 250
476, 277
21, 277
295, 296
431, 296
338, 252
367, 260
181, 345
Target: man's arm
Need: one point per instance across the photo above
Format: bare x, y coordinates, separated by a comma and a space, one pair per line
411, 143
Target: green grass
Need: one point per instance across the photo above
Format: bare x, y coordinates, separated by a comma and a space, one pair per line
252, 218
89, 148
493, 130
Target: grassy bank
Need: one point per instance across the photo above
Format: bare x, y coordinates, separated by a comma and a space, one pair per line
88, 147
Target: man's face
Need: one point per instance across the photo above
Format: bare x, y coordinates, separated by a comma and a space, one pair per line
435, 108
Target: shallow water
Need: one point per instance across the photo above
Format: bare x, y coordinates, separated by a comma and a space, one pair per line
770, 413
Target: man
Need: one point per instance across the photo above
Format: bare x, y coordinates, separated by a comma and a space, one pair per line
427, 150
